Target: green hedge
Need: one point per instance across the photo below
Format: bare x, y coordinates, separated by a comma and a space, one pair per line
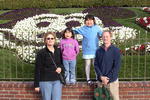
17, 4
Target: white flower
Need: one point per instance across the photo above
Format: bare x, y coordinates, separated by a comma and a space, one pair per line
137, 19
145, 19
148, 26
27, 30
144, 8
121, 34
127, 49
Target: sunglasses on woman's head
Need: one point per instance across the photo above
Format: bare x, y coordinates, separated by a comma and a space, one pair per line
49, 38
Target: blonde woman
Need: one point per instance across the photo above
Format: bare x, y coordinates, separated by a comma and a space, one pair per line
46, 74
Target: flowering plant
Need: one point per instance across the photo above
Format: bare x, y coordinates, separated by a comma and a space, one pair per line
147, 9
140, 49
29, 31
145, 22
121, 34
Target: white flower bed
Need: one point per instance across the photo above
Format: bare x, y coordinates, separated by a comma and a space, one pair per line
27, 30
120, 34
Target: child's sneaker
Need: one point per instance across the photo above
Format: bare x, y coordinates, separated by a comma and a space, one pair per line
89, 82
73, 83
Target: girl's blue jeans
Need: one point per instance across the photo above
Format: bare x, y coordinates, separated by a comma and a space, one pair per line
70, 70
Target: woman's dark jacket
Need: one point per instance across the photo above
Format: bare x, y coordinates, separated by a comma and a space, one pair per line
44, 66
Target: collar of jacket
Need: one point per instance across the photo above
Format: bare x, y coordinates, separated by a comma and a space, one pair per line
48, 50
103, 46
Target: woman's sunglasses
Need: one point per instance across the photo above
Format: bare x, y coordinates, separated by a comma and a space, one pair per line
49, 38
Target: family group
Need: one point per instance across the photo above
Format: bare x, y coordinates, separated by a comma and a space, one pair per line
52, 60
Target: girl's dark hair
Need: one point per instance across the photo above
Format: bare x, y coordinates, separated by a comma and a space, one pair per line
67, 29
91, 17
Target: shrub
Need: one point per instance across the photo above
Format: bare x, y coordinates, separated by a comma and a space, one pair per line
18, 4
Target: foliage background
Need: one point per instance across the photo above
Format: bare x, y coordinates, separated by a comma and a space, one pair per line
17, 4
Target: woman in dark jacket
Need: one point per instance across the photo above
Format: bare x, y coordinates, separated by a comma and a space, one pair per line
46, 74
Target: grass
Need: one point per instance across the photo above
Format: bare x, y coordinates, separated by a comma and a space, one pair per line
4, 11
13, 67
139, 12
132, 66
135, 67
130, 22
3, 21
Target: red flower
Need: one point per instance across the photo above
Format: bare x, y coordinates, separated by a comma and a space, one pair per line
143, 21
142, 47
147, 9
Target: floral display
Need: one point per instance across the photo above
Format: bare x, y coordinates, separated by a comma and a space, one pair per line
145, 22
22, 13
121, 34
28, 30
19, 14
146, 9
25, 36
107, 14
138, 49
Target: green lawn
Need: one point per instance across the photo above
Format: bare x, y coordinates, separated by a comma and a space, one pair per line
139, 12
3, 11
135, 66
3, 21
130, 22
13, 67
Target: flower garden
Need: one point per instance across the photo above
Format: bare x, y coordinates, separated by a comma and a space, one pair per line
144, 21
21, 36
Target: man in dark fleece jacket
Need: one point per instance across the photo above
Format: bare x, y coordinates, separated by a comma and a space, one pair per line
107, 64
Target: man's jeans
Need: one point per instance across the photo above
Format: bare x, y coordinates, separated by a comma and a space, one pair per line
70, 70
51, 90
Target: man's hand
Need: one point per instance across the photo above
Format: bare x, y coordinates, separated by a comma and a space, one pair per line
104, 79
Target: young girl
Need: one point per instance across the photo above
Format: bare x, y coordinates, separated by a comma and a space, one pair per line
90, 32
70, 48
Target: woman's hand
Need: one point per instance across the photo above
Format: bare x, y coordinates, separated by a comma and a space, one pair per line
37, 89
58, 70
